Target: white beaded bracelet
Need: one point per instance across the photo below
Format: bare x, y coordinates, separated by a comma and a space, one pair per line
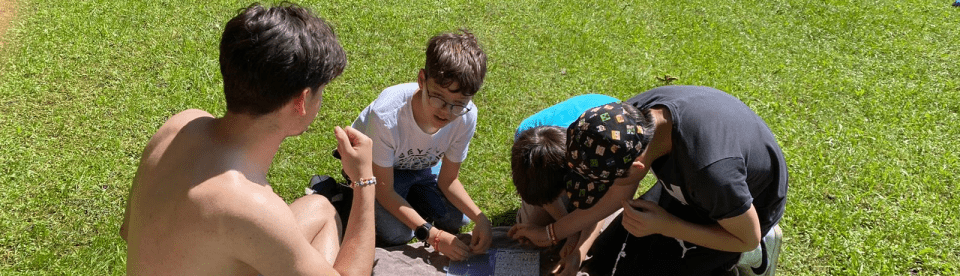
364, 182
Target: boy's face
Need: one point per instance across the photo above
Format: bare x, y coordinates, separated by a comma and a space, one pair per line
438, 105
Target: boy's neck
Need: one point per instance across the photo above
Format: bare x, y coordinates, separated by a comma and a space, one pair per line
253, 140
662, 141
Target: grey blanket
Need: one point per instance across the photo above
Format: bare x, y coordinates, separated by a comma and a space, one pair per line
417, 259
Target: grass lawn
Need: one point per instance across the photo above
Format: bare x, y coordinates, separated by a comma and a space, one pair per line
861, 96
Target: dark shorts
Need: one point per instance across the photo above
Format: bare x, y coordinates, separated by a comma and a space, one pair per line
617, 252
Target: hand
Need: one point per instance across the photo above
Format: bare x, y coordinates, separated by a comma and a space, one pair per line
482, 235
356, 151
570, 246
568, 266
449, 245
642, 218
530, 232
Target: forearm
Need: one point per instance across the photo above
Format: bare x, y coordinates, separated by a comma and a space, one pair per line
587, 238
357, 250
736, 234
582, 219
711, 236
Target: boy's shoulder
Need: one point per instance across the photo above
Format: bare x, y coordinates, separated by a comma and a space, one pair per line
392, 98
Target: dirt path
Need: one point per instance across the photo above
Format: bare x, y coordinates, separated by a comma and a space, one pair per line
7, 12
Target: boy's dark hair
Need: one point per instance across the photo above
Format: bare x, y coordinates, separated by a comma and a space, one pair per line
538, 164
454, 57
645, 120
268, 56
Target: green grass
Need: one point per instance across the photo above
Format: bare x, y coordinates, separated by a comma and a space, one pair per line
863, 96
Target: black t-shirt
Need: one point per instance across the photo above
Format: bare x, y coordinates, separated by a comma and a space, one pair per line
724, 157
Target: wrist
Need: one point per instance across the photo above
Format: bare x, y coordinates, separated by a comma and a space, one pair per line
435, 235
482, 218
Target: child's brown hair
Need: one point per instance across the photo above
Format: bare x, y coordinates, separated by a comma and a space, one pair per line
538, 164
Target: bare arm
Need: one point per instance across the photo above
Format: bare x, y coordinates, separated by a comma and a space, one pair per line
582, 219
356, 253
452, 188
269, 240
388, 197
736, 234
401, 209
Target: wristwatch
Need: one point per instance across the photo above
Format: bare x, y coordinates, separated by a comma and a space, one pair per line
423, 231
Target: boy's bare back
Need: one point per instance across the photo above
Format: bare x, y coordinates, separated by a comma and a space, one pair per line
190, 197
200, 210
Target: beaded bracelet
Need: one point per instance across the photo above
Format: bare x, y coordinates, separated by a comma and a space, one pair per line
549, 232
552, 234
364, 182
436, 242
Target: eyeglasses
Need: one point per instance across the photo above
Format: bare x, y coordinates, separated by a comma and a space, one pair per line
437, 102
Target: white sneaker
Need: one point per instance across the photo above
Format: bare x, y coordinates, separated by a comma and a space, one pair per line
763, 260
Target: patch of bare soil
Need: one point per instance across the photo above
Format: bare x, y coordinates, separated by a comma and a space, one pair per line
8, 11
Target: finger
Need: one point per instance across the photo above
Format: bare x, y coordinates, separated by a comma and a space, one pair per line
482, 244
525, 241
461, 251
558, 268
515, 231
643, 204
475, 240
343, 140
628, 211
462, 246
356, 137
352, 134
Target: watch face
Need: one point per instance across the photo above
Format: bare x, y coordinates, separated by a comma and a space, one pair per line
423, 231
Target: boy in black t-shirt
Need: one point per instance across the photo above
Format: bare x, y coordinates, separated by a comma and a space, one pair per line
721, 183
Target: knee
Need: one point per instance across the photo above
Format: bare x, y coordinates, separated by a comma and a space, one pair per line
315, 205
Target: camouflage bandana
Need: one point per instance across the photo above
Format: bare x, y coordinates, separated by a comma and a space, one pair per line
601, 146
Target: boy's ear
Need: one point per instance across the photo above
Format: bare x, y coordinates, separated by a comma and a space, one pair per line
422, 78
300, 102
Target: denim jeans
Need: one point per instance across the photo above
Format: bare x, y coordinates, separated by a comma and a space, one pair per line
420, 189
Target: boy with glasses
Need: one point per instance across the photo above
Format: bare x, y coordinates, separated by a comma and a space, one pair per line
415, 126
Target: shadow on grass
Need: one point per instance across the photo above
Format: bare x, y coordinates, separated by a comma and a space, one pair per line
505, 218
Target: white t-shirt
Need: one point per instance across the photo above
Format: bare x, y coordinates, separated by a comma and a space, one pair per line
397, 140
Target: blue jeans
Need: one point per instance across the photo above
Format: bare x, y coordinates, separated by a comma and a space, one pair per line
420, 189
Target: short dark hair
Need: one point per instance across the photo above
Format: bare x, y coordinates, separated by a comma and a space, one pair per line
538, 164
644, 120
456, 57
268, 56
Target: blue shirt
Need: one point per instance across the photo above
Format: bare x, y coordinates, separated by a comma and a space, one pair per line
564, 113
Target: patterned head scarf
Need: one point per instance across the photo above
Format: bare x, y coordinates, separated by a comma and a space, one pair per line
601, 146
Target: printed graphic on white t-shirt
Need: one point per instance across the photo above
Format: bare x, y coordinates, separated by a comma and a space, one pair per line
416, 159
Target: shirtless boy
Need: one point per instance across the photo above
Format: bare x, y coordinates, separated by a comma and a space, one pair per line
200, 202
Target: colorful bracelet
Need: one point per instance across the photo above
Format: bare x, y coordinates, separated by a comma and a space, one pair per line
364, 182
436, 242
552, 234
549, 232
